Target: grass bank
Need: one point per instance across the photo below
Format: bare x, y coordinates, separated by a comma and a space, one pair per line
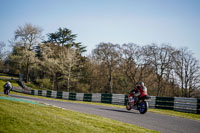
21, 117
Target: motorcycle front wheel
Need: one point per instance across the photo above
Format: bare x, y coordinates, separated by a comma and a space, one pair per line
128, 106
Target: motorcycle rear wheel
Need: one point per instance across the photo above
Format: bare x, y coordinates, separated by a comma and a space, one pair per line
143, 107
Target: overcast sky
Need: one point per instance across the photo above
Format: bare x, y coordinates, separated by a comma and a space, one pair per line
174, 22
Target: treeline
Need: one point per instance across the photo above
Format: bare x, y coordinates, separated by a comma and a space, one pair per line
57, 63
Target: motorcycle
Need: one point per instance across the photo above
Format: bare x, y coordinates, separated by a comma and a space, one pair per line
139, 104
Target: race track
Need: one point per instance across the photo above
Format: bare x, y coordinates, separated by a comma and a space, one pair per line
158, 122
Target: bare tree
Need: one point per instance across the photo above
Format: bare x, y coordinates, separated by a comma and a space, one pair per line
48, 61
133, 63
160, 59
27, 37
68, 65
60, 66
108, 54
2, 54
187, 70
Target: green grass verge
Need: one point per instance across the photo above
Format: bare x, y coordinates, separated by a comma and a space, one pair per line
21, 117
176, 114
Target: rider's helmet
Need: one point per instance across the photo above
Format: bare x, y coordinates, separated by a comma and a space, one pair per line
141, 83
8, 83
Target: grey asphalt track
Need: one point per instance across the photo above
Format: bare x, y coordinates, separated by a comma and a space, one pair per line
158, 122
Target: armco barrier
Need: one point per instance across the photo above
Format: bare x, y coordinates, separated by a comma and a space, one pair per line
87, 97
39, 92
65, 95
48, 93
44, 93
72, 96
198, 106
152, 103
106, 98
164, 103
79, 96
189, 105
96, 97
54, 94
59, 94
118, 99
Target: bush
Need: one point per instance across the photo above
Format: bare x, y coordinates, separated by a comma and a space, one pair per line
44, 83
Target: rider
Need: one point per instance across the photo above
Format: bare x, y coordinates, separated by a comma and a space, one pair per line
138, 92
8, 85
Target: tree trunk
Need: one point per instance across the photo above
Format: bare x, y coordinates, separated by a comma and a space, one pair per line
27, 73
68, 84
56, 83
68, 78
110, 80
159, 85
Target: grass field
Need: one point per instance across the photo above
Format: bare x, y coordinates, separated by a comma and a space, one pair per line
19, 117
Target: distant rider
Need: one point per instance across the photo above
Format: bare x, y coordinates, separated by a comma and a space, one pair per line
7, 86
